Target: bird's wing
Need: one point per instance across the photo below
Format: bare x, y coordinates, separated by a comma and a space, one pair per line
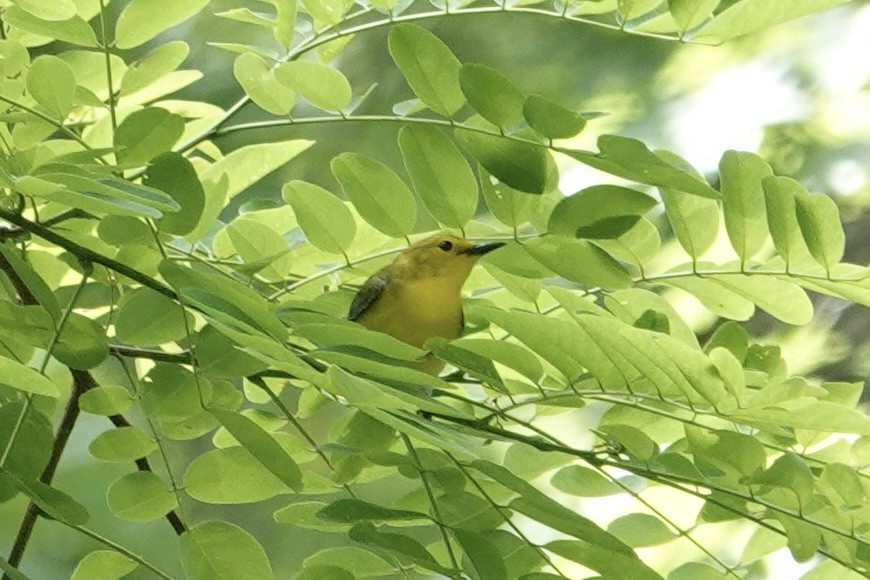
368, 295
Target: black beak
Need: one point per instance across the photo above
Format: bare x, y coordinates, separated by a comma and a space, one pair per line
481, 249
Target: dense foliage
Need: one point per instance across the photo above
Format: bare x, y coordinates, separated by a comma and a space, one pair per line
135, 285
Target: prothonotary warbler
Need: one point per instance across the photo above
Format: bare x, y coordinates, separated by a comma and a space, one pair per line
418, 296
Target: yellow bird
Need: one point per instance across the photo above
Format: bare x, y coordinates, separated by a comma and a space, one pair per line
418, 296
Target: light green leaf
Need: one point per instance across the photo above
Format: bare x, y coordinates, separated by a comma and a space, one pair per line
440, 174
230, 476
631, 159
583, 482
690, 13
346, 334
741, 176
579, 261
380, 196
56, 10
751, 15
285, 19
74, 30
259, 82
550, 119
30, 452
640, 530
323, 217
495, 97
122, 445
327, 11
596, 211
429, 66
822, 230
146, 318
262, 446
362, 562
170, 393
15, 375
610, 563
153, 66
629, 9
780, 298
222, 551
506, 353
103, 565
106, 400
145, 134
242, 168
142, 20
260, 247
519, 165
715, 297
52, 82
325, 87
474, 364
808, 413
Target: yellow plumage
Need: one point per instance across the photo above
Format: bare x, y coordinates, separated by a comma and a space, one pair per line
418, 296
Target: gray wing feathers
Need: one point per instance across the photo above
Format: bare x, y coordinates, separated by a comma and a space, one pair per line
367, 295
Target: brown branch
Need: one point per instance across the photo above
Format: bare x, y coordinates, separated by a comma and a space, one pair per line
26, 296
82, 381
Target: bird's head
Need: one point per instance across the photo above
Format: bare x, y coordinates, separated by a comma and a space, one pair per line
444, 256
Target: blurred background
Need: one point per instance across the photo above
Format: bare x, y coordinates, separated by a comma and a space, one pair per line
799, 94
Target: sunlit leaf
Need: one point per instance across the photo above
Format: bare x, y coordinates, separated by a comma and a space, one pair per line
325, 219
492, 95
260, 83
324, 87
219, 549
142, 20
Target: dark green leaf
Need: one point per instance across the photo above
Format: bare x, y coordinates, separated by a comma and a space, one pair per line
174, 174
588, 207
483, 554
550, 119
579, 261
53, 502
82, 343
400, 544
145, 134
146, 318
354, 510
521, 166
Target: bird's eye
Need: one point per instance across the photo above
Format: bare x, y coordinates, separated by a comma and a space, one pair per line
446, 245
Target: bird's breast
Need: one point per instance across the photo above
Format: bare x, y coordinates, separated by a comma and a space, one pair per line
416, 311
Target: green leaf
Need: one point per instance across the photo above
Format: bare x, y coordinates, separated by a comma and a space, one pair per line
579, 261
145, 134
52, 82
467, 511
474, 364
354, 510
780, 195
57, 10
173, 174
103, 565
715, 297
323, 217
583, 482
640, 530
483, 553
15, 375
429, 66
325, 87
550, 119
808, 413
122, 445
334, 334
262, 446
328, 11
822, 230
519, 165
55, 503
303, 514
140, 496
509, 206
260, 247
261, 85
495, 97
578, 214
694, 219
780, 298
170, 394
631, 159
37, 286
29, 453
751, 15
242, 168
509, 354
106, 400
146, 318
632, 440
741, 176
74, 30
142, 20
230, 476
82, 344
285, 20
366, 533
608, 562
380, 196
153, 66
690, 13
362, 562
220, 550
440, 174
